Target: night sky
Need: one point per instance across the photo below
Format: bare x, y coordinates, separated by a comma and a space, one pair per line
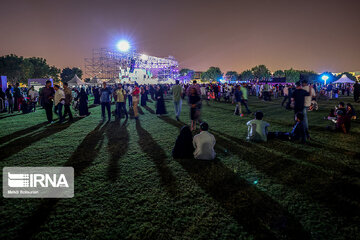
234, 35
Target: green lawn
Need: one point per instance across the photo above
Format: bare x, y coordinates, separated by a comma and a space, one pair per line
127, 186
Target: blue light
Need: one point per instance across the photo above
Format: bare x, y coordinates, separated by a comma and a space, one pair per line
255, 182
123, 46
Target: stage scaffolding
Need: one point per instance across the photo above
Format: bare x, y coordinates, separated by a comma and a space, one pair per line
106, 64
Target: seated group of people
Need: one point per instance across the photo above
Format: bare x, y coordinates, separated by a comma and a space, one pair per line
258, 130
342, 117
200, 147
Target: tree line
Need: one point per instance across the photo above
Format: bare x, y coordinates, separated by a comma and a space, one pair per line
20, 69
259, 73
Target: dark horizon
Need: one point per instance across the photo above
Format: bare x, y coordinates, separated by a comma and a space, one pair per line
234, 35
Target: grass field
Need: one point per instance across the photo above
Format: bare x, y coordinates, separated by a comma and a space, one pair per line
127, 186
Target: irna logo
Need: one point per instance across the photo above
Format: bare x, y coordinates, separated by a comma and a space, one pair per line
37, 180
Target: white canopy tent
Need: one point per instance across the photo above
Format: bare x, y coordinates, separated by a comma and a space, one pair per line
95, 81
344, 79
76, 81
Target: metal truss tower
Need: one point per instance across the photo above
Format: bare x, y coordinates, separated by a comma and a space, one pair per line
107, 64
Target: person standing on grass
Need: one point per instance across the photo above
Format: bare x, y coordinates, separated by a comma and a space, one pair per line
194, 101
160, 103
83, 104
10, 99
194, 85
356, 91
298, 100
135, 100
204, 144
33, 95
307, 102
105, 101
17, 95
47, 96
237, 99
59, 101
68, 100
177, 92
121, 102
129, 91
286, 94
244, 99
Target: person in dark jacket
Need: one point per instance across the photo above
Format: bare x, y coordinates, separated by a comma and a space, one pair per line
96, 94
183, 146
160, 103
298, 133
83, 108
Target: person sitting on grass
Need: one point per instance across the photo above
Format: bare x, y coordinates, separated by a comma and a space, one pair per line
342, 122
183, 146
204, 143
298, 133
257, 128
350, 111
334, 112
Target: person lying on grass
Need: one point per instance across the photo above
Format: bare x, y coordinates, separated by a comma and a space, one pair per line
257, 128
298, 133
204, 143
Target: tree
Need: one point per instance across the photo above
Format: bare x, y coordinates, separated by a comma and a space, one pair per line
54, 73
77, 71
10, 66
41, 68
292, 75
246, 75
279, 74
19, 69
231, 76
261, 72
212, 74
68, 73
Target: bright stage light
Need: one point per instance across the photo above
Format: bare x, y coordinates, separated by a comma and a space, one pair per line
325, 77
123, 46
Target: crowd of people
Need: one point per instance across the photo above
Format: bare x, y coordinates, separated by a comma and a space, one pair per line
300, 97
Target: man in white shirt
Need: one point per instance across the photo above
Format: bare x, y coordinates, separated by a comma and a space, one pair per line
33, 95
59, 101
257, 128
204, 143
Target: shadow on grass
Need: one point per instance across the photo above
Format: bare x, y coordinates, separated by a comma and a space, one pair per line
251, 208
22, 132
118, 144
254, 210
337, 192
13, 115
149, 109
149, 146
21, 143
334, 191
81, 159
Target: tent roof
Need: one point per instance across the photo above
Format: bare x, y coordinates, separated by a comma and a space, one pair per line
76, 80
344, 79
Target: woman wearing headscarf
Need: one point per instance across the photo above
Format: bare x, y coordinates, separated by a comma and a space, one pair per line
184, 144
160, 103
83, 106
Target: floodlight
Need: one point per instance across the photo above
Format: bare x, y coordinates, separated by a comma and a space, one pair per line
123, 46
